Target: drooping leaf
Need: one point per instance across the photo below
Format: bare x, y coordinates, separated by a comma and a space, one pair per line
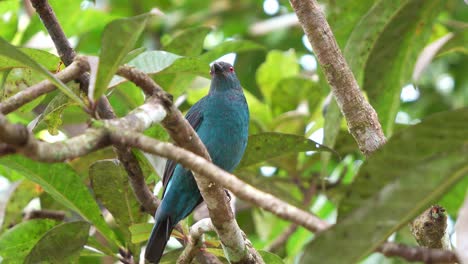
188, 42
7, 50
17, 242
265, 146
118, 39
389, 67
417, 164
61, 244
62, 183
111, 187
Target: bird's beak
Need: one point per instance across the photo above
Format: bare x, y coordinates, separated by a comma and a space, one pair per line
216, 68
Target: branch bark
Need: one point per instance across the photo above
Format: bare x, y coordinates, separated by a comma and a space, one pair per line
413, 254
362, 119
195, 235
73, 71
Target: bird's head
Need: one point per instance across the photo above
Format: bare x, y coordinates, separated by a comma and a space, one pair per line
223, 76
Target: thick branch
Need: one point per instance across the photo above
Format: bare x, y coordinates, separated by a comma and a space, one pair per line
73, 71
362, 119
413, 254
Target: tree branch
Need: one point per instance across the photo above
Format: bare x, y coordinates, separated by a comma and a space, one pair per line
201, 166
73, 71
426, 255
47, 15
362, 119
196, 232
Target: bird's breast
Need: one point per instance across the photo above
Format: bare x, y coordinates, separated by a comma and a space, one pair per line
224, 130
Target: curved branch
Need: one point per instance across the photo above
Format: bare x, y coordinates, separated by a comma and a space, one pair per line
362, 119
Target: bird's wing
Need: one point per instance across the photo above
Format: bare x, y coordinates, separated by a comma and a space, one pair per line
194, 117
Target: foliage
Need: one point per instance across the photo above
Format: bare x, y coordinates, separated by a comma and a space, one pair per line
425, 120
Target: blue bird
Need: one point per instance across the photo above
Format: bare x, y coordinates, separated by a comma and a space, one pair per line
221, 120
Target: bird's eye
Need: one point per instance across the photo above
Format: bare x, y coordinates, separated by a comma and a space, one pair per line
231, 69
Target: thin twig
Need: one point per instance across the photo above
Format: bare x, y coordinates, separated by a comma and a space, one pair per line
47, 15
41, 214
73, 71
196, 232
421, 254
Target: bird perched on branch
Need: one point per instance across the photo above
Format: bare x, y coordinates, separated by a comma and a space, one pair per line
221, 120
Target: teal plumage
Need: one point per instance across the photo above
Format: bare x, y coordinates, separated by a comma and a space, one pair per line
221, 120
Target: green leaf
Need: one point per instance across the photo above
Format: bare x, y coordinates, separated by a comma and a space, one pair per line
61, 244
62, 183
52, 115
246, 64
389, 67
233, 46
118, 39
414, 168
331, 129
17, 242
457, 43
188, 42
150, 62
111, 187
270, 258
7, 50
344, 15
9, 10
265, 146
171, 257
278, 65
289, 92
48, 60
21, 193
140, 232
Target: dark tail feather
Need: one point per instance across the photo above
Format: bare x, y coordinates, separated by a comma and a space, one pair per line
158, 240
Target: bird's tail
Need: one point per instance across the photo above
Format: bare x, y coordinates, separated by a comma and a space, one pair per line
158, 240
